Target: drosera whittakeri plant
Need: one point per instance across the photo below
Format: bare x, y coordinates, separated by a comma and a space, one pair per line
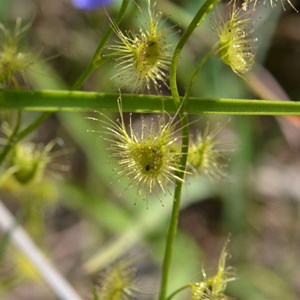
150, 157
143, 58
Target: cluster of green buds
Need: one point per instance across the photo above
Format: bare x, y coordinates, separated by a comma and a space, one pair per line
150, 157
144, 58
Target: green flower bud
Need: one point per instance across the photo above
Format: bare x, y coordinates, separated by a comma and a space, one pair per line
29, 161
206, 156
236, 44
117, 283
213, 288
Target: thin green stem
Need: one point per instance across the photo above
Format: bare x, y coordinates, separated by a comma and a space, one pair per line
180, 104
12, 138
98, 57
175, 210
199, 17
83, 76
195, 74
32, 126
178, 291
17, 135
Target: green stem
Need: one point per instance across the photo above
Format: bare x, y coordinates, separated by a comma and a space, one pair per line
178, 291
37, 122
199, 17
175, 210
180, 104
12, 138
195, 74
98, 58
51, 101
83, 76
19, 135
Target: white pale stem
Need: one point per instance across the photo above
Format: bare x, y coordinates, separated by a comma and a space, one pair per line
24, 243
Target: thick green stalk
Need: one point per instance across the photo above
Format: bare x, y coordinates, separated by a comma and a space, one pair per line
51, 101
97, 58
181, 105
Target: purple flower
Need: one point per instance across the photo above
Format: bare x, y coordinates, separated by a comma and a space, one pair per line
90, 4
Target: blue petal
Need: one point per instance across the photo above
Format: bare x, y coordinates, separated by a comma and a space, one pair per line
90, 4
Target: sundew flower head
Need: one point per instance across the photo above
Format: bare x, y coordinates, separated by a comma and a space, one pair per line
206, 155
236, 44
147, 157
13, 60
143, 58
118, 282
213, 288
30, 161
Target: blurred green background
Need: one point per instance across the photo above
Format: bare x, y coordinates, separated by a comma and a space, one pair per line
82, 217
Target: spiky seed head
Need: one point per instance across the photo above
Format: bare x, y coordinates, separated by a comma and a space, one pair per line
213, 288
13, 59
143, 58
148, 157
206, 155
118, 282
236, 44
